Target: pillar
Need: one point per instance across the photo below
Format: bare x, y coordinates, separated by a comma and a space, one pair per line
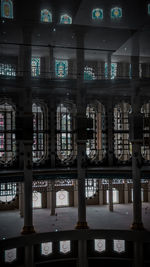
126, 199
21, 199
52, 62
52, 198
29, 256
100, 193
109, 65
27, 134
148, 191
110, 141
75, 193
81, 141
82, 253
136, 136
138, 254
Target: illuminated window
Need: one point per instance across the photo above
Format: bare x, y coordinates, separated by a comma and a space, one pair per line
10, 255
116, 12
46, 248
65, 19
148, 9
113, 70
7, 9
64, 132
100, 245
91, 187
61, 68
115, 196
119, 246
65, 246
36, 199
7, 70
145, 148
46, 15
96, 147
122, 146
39, 135
7, 192
89, 73
62, 198
7, 134
97, 14
35, 66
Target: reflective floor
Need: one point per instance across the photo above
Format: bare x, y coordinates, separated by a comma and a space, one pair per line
98, 217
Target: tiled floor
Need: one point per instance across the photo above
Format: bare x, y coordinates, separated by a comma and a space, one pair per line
98, 217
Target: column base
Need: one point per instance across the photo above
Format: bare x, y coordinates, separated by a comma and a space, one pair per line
28, 230
137, 226
81, 225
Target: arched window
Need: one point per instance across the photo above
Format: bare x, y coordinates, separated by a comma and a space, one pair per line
65, 19
46, 15
97, 14
7, 134
7, 192
116, 13
148, 7
145, 148
61, 68
122, 146
7, 70
39, 135
37, 199
35, 66
7, 9
89, 73
115, 196
91, 187
62, 198
113, 70
64, 132
96, 147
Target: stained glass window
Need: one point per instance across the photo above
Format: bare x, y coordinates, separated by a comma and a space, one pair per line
119, 245
39, 136
96, 147
10, 255
113, 70
116, 12
64, 132
122, 146
7, 70
100, 245
62, 198
97, 14
46, 15
35, 66
7, 192
65, 246
7, 134
148, 9
89, 73
7, 9
91, 187
65, 19
145, 149
61, 68
46, 248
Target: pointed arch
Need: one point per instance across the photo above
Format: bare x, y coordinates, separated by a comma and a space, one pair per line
7, 9
65, 19
46, 15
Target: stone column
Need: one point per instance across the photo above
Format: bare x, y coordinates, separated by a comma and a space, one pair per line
101, 202
136, 123
29, 256
27, 134
109, 65
52, 62
126, 199
138, 254
110, 141
53, 151
21, 199
82, 254
75, 193
81, 141
148, 191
